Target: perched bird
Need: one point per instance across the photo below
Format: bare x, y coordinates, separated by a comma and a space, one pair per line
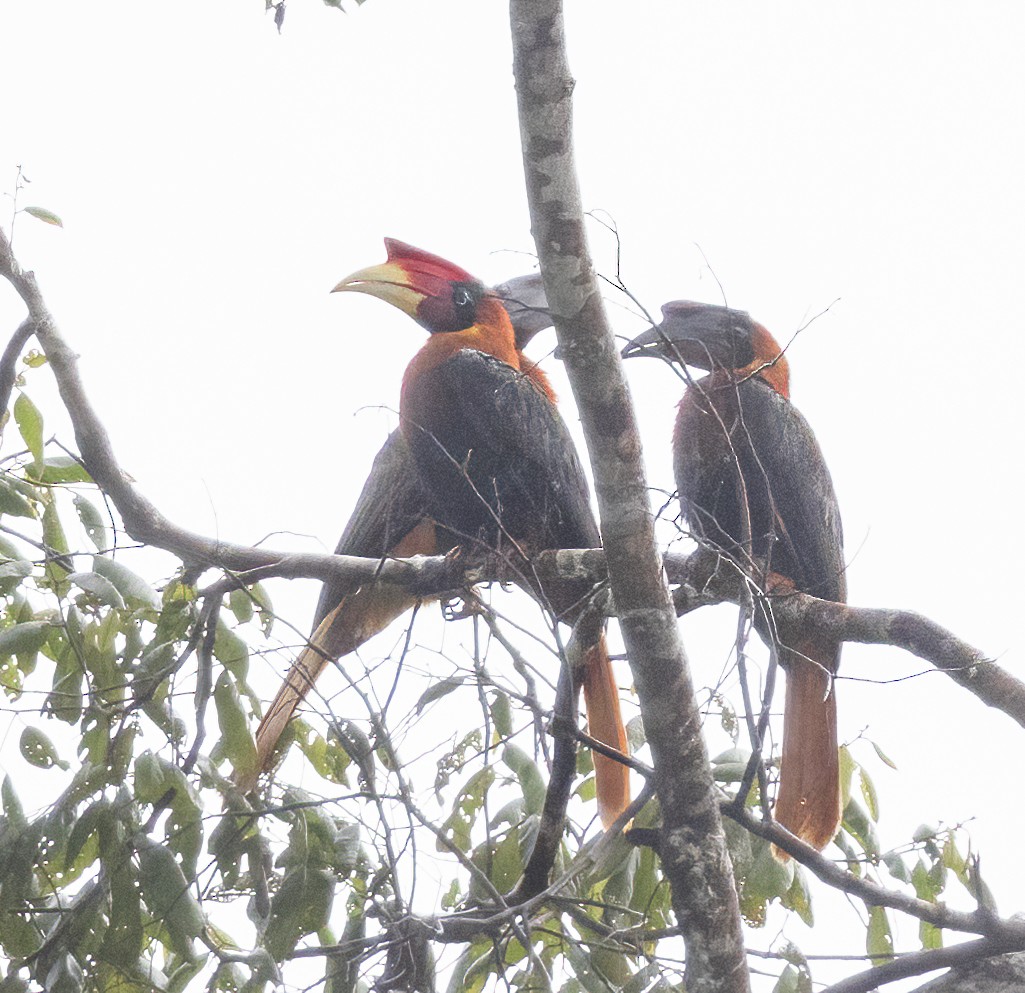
753, 484
481, 456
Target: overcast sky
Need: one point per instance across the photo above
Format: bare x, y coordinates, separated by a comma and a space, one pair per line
861, 160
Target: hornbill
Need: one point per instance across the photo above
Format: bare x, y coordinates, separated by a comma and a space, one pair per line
753, 484
389, 521
478, 401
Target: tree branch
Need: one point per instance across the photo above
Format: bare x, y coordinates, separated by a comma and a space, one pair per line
694, 852
1010, 934
919, 963
9, 360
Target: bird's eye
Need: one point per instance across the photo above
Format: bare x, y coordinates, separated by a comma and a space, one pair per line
461, 296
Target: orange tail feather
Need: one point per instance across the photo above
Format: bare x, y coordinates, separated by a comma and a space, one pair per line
356, 619
601, 700
808, 803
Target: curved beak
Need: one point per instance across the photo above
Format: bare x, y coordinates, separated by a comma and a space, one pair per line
391, 282
698, 334
524, 300
651, 342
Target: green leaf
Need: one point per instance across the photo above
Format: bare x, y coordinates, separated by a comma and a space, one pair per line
301, 906
166, 893
847, 767
130, 585
454, 760
59, 469
236, 738
65, 699
13, 503
12, 805
98, 587
123, 939
924, 832
868, 792
155, 776
896, 866
458, 825
10, 551
328, 758
930, 936
53, 534
265, 606
38, 750
529, 777
857, 823
883, 757
798, 897
501, 862
927, 886
231, 651
30, 424
768, 878
27, 637
241, 604
92, 521
730, 766
879, 940
501, 714
437, 690
95, 817
788, 981
954, 860
44, 215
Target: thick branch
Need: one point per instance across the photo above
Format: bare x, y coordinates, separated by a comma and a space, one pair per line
1009, 933
693, 847
701, 579
970, 953
992, 974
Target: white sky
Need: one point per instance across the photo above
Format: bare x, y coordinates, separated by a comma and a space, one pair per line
215, 180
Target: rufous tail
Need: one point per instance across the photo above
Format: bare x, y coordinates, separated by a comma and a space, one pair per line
356, 619
601, 700
808, 802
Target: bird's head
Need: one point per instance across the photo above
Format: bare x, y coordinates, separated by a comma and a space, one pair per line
439, 295
709, 337
702, 335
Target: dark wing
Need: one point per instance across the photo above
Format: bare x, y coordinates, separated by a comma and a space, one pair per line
788, 487
489, 447
390, 506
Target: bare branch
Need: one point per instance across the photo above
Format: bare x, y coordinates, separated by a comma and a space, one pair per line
919, 963
9, 360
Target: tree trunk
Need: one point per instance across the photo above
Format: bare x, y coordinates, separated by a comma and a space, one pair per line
692, 844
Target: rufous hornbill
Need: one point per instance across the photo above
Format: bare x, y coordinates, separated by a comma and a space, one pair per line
404, 500
389, 520
753, 484
495, 460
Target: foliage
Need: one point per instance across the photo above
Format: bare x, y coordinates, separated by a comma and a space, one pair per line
134, 713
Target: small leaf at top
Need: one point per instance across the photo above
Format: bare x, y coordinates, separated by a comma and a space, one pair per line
44, 215
884, 757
